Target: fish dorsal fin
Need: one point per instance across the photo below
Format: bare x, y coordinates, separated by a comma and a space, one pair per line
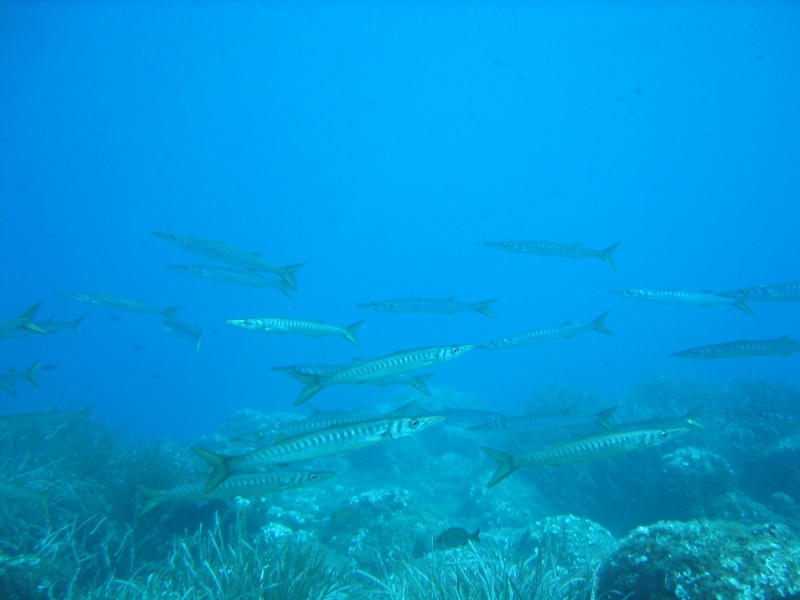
357, 361
784, 337
567, 322
708, 291
566, 411
256, 254
11, 369
318, 320
314, 410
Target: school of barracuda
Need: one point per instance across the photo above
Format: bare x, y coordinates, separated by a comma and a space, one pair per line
252, 473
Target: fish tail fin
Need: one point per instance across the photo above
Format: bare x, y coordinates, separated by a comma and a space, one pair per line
74, 324
219, 466
350, 333
506, 468
475, 536
288, 272
483, 308
170, 311
691, 418
419, 383
742, 306
601, 418
599, 324
606, 255
286, 289
153, 499
307, 393
30, 374
27, 319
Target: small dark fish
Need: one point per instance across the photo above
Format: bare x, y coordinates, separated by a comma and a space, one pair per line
344, 514
154, 376
49, 367
456, 537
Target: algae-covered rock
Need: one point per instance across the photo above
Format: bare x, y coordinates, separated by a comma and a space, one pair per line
700, 560
693, 478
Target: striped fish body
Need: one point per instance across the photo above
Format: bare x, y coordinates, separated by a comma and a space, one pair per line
403, 361
185, 331
688, 421
40, 420
417, 382
234, 276
448, 306
468, 415
775, 292
328, 421
535, 422
681, 297
297, 327
537, 336
13, 491
250, 484
221, 252
584, 449
544, 248
336, 440
743, 349
297, 371
120, 303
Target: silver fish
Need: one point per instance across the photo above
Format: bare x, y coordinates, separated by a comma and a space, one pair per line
120, 303
543, 248
40, 420
743, 349
335, 440
591, 448
681, 297
185, 331
689, 419
449, 306
297, 327
24, 321
10, 377
415, 381
767, 293
402, 361
235, 276
250, 484
553, 421
537, 336
221, 252
14, 491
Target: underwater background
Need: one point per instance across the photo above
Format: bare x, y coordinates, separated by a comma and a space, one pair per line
383, 145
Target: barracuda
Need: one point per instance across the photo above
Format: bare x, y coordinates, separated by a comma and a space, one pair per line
689, 419
251, 484
13, 491
743, 349
553, 421
543, 248
403, 361
417, 382
591, 448
335, 440
24, 321
120, 303
775, 292
319, 422
537, 336
221, 252
297, 327
41, 420
681, 297
228, 275
449, 306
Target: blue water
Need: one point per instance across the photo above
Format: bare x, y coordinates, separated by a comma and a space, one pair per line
383, 143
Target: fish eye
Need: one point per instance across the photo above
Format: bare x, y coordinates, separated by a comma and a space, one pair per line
663, 435
414, 423
455, 351
313, 477
505, 244
763, 414
695, 352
